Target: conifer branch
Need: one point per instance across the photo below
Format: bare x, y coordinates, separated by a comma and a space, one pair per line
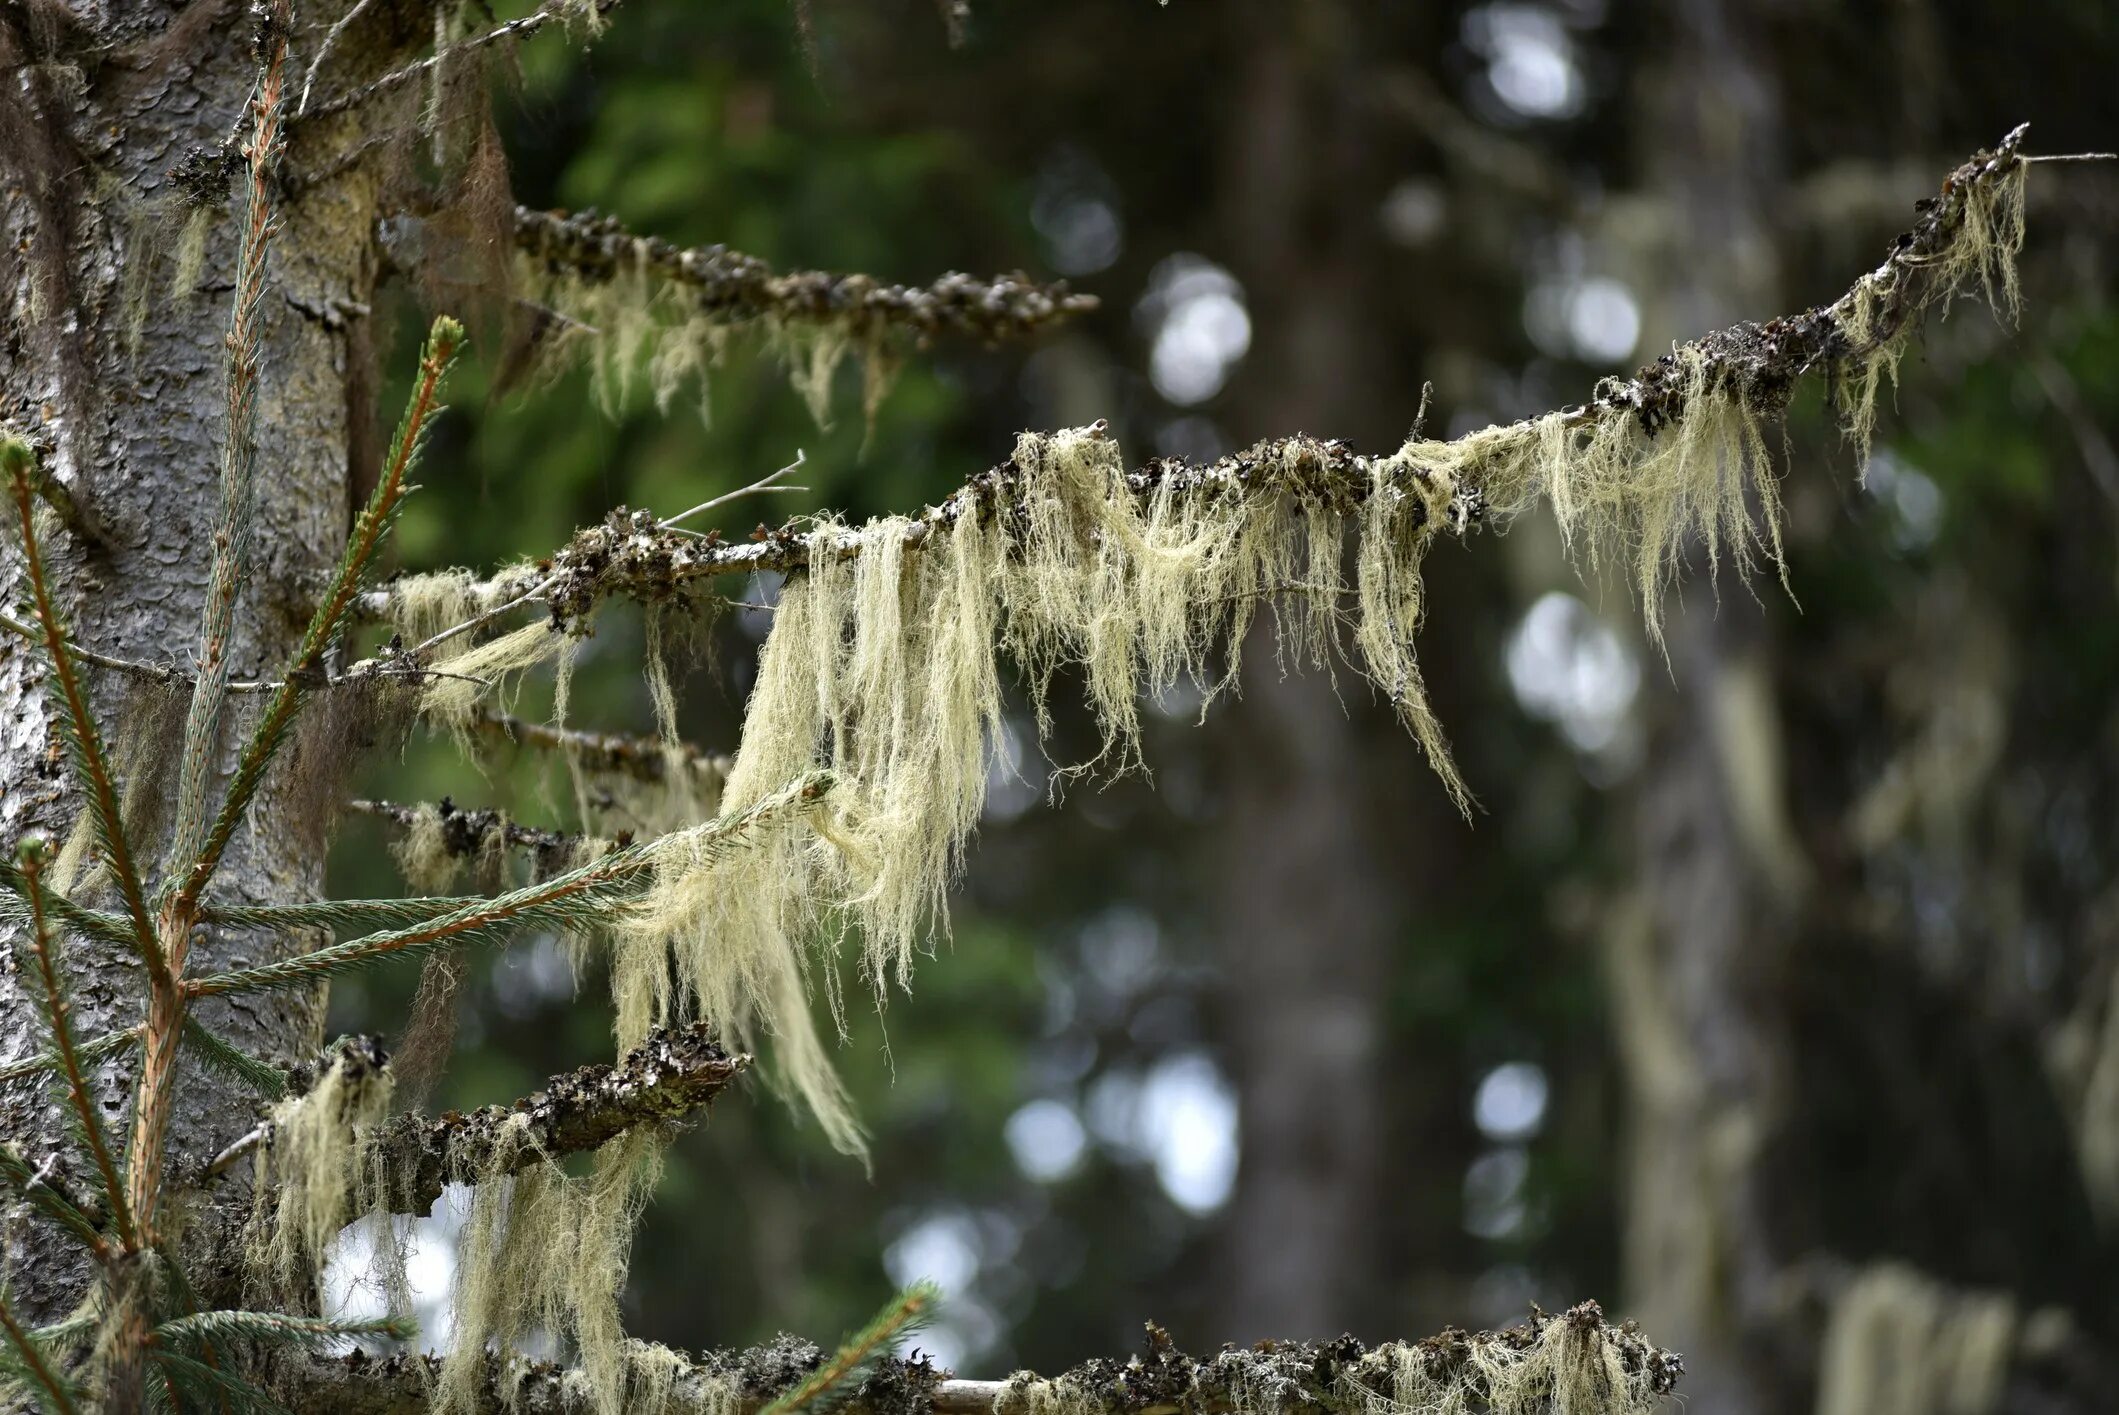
729, 287
233, 1062
675, 1073
366, 914
199, 1384
89, 923
329, 618
277, 1329
50, 1199
54, 1391
235, 523
78, 721
1574, 1361
628, 555
51, 1000
579, 896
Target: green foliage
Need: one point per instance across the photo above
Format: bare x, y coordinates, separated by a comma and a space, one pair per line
841, 1376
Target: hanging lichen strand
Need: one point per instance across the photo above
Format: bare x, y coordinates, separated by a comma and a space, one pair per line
882, 661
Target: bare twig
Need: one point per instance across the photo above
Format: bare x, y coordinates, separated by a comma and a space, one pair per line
764, 483
643, 758
466, 832
90, 760
323, 51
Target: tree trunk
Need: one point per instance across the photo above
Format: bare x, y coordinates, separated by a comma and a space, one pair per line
120, 379
1309, 913
1702, 1054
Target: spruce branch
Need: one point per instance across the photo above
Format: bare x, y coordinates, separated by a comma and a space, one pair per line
278, 1329
628, 555
51, 1000
252, 1073
329, 618
850, 1367
54, 1391
580, 897
109, 1044
466, 832
43, 1190
89, 923
91, 762
235, 521
194, 1383
729, 287
675, 1073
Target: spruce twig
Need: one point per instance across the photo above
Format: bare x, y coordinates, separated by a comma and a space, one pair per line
53, 1389
91, 763
53, 1202
235, 523
50, 997
578, 895
329, 620
837, 1379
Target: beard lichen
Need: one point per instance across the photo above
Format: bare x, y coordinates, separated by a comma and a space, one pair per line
314, 1173
1572, 1363
544, 1251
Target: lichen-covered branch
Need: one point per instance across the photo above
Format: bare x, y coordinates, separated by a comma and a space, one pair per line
675, 1073
468, 833
1966, 233
1574, 1362
730, 287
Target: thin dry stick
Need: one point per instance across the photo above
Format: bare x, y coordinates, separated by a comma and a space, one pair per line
323, 51
764, 483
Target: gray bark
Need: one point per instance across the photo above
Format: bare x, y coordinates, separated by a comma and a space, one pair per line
1701, 1055
120, 379
1308, 913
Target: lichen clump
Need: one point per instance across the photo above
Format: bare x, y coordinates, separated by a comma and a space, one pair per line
314, 1172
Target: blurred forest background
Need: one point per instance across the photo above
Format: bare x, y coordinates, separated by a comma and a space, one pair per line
1766, 996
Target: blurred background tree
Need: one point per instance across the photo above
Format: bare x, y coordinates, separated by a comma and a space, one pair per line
1772, 997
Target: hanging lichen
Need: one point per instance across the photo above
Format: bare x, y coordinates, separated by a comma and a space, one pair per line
1901, 1343
544, 1251
312, 1177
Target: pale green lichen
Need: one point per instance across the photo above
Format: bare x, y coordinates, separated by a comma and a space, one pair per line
1901, 1343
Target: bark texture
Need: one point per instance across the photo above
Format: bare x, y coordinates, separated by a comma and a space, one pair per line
118, 376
